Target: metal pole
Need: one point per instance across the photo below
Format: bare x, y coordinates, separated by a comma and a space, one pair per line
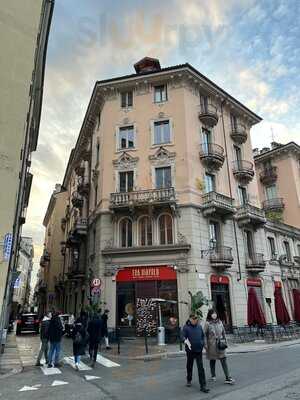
118, 339
180, 341
146, 341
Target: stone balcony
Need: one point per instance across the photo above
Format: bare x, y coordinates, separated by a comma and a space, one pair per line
217, 204
45, 258
208, 115
142, 198
255, 263
80, 227
83, 186
212, 155
77, 200
268, 176
75, 273
221, 257
239, 134
250, 216
275, 204
243, 171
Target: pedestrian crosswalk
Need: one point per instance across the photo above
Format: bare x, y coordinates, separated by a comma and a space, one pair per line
69, 360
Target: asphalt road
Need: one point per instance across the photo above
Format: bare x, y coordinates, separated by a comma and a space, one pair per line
268, 375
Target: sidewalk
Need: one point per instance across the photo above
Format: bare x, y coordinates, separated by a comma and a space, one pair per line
10, 361
134, 349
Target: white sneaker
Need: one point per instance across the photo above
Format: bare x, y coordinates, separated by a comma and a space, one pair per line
77, 366
229, 381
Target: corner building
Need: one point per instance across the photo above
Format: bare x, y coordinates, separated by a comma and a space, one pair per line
173, 200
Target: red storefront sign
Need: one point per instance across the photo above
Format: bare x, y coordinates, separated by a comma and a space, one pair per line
277, 284
151, 273
254, 282
224, 280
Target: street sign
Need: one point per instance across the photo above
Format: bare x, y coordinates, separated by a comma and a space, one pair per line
17, 283
7, 246
95, 291
96, 282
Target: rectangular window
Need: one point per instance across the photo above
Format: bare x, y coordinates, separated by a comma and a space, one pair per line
163, 177
243, 196
210, 183
233, 121
126, 99
96, 195
207, 139
250, 244
126, 137
214, 234
271, 192
126, 181
162, 132
272, 248
287, 250
204, 100
238, 153
160, 93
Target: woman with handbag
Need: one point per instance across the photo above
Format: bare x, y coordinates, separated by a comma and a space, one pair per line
216, 345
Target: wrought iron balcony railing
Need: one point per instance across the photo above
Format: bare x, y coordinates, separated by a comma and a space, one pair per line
243, 170
221, 257
208, 114
239, 133
142, 197
255, 262
217, 203
276, 204
212, 155
268, 175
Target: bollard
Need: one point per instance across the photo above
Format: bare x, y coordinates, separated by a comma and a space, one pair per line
119, 339
146, 341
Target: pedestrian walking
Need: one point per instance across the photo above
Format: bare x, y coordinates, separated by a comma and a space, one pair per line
95, 335
216, 345
194, 340
105, 329
56, 332
44, 336
79, 337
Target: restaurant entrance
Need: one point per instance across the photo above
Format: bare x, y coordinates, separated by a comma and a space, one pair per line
137, 289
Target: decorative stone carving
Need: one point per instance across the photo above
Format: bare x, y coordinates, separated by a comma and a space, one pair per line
108, 244
125, 161
125, 121
181, 239
162, 156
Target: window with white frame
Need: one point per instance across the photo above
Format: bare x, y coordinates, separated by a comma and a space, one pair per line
126, 137
126, 181
160, 93
163, 177
162, 132
214, 234
126, 232
271, 192
127, 99
243, 195
210, 183
145, 231
165, 225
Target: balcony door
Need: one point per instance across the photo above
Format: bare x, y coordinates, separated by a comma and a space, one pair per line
163, 177
271, 192
238, 153
214, 234
207, 139
243, 195
210, 183
126, 181
249, 244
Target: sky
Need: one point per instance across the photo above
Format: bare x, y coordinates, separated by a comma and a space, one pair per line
250, 48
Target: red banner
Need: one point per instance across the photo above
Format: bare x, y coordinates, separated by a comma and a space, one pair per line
224, 280
151, 273
254, 282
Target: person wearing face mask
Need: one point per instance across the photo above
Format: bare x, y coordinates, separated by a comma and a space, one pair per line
215, 344
193, 337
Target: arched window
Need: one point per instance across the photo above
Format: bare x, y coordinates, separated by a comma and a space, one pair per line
165, 225
145, 231
126, 232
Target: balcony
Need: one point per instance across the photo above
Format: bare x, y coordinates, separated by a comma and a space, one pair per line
275, 204
77, 200
239, 134
250, 216
268, 176
255, 263
212, 155
142, 198
80, 227
243, 171
83, 186
221, 257
45, 258
72, 240
208, 115
217, 204
75, 274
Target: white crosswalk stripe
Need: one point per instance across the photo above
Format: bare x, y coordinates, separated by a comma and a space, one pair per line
50, 371
82, 366
106, 362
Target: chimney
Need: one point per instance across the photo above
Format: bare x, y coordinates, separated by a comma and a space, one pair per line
275, 145
264, 150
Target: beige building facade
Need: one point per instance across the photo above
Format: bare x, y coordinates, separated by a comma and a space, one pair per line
24, 30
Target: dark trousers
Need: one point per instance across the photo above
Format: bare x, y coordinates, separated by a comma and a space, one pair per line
93, 350
191, 356
224, 366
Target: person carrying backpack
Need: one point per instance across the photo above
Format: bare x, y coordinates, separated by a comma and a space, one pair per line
79, 337
44, 335
95, 335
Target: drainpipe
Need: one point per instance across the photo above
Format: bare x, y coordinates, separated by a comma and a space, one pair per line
230, 191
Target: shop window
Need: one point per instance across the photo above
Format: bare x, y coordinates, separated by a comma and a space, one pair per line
165, 224
126, 232
145, 231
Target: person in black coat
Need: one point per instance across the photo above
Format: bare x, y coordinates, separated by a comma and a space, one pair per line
79, 337
95, 335
105, 329
55, 333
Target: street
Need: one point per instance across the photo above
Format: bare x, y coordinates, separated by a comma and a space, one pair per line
267, 375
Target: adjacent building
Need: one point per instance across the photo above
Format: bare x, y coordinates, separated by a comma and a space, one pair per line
24, 28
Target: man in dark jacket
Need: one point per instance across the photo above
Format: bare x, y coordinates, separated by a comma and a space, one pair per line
105, 328
56, 332
44, 335
95, 332
193, 337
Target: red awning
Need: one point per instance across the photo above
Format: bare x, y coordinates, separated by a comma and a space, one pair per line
255, 314
282, 314
296, 296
